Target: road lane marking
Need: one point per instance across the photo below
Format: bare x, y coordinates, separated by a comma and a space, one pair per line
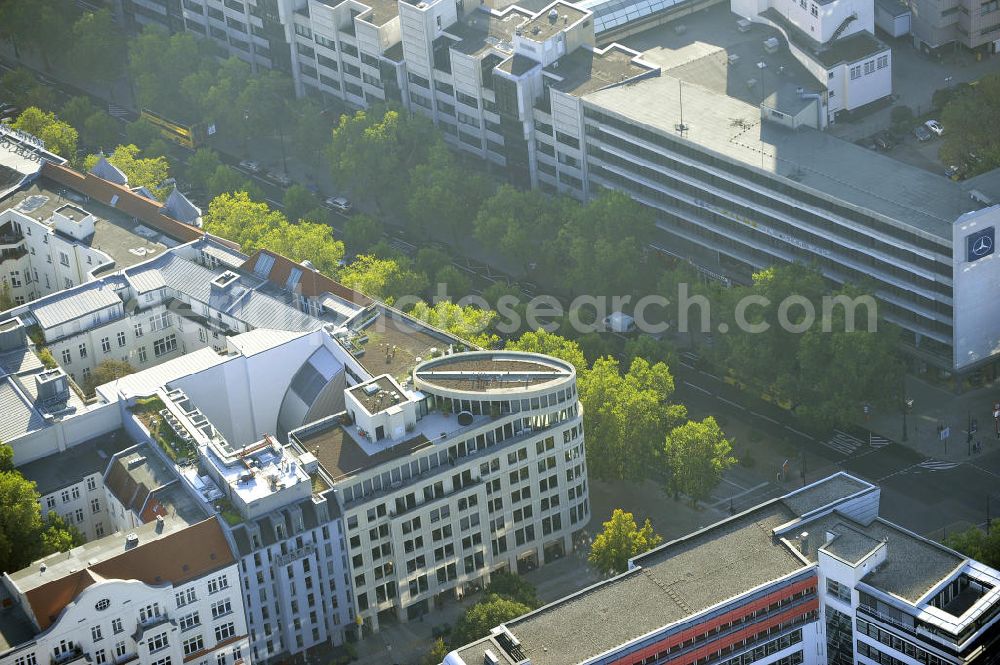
691, 385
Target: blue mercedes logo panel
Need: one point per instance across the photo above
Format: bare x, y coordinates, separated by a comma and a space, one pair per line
979, 244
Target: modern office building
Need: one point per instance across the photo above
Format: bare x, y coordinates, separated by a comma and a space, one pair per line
165, 592
813, 577
712, 118
973, 25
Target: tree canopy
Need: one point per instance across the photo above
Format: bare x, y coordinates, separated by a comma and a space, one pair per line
148, 172
513, 586
540, 341
621, 540
469, 322
696, 454
971, 118
488, 613
381, 278
977, 544
626, 417
255, 226
25, 535
106, 371
59, 136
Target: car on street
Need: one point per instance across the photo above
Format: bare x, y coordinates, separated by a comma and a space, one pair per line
934, 126
280, 178
922, 133
250, 165
339, 203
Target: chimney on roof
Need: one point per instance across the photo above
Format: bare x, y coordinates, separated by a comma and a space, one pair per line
804, 542
131, 540
159, 523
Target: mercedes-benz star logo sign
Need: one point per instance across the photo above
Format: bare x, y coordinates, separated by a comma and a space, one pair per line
982, 246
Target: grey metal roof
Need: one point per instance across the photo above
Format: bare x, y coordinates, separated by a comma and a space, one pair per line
19, 416
92, 456
814, 160
147, 280
227, 256
107, 171
263, 311
68, 305
180, 208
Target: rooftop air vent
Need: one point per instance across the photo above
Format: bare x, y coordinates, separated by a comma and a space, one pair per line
131, 540
553, 14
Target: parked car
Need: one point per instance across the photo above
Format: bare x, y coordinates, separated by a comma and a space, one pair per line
250, 165
935, 127
280, 178
339, 203
922, 133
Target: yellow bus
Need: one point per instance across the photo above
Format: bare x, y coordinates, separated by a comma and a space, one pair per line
189, 136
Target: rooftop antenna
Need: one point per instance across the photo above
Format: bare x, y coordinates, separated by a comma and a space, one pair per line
681, 127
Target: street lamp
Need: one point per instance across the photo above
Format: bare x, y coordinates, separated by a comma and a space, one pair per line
907, 405
246, 130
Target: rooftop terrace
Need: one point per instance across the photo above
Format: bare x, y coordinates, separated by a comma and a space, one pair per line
118, 235
395, 344
76, 462
551, 20
482, 31
585, 71
491, 372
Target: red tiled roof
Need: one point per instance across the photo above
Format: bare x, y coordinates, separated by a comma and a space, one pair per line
311, 284
175, 558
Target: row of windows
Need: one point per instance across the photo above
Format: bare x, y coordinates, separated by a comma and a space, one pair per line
900, 645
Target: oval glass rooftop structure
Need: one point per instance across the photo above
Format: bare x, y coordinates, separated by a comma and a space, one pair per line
495, 372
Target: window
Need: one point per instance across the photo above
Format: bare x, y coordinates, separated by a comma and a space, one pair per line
67, 357
222, 608
814, 10
76, 492
142, 354
225, 631
149, 612
165, 345
106, 344
95, 505
50, 502
869, 67
64, 258
839, 591
185, 597
79, 515
100, 657
83, 350
138, 330
91, 483
194, 645
119, 649
86, 374
99, 530
218, 583
95, 633
116, 626
855, 72
883, 61
158, 643
121, 338
189, 621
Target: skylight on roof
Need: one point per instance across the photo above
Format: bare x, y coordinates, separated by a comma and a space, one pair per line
293, 278
264, 264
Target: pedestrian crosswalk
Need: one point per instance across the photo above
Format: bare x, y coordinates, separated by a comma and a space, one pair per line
937, 465
843, 443
116, 111
876, 441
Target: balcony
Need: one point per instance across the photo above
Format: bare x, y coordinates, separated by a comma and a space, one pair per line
73, 656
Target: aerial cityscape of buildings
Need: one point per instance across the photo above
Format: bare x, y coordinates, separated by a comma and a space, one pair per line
295, 464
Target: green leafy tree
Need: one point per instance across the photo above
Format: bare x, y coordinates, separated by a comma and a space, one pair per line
371, 149
105, 372
227, 180
40, 25
443, 196
266, 97
311, 131
522, 225
158, 63
142, 133
513, 586
59, 137
101, 130
298, 202
626, 417
97, 49
361, 232
255, 226
485, 615
201, 167
148, 172
77, 110
456, 281
469, 322
970, 120
437, 653
386, 279
540, 341
621, 540
24, 90
696, 454
24, 535
977, 544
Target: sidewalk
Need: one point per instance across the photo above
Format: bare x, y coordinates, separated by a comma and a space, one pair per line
933, 407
